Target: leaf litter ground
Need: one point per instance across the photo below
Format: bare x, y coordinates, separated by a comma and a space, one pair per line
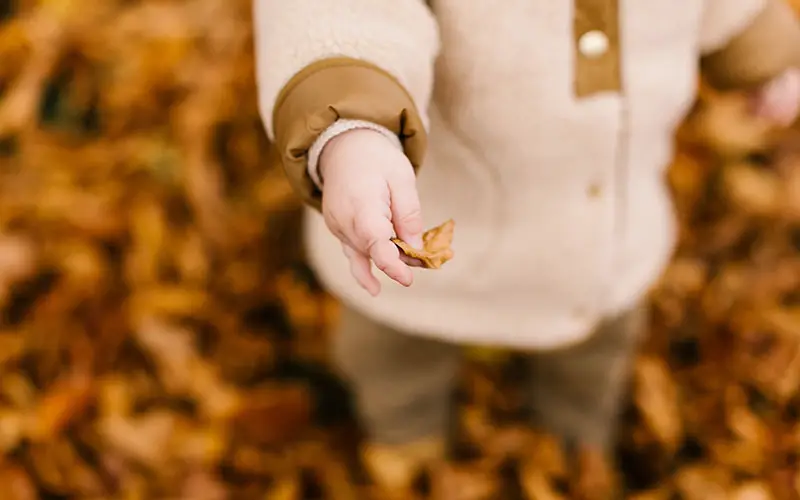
162, 339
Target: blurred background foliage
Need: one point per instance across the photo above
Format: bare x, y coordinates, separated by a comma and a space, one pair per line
161, 337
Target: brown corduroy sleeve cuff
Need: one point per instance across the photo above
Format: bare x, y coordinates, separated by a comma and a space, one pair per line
340, 88
766, 48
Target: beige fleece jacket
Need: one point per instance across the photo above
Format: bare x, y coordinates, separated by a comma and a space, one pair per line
543, 128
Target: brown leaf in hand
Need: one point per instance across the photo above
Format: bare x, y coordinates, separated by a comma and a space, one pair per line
435, 246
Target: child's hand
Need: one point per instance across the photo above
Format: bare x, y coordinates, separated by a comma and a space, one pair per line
779, 100
369, 196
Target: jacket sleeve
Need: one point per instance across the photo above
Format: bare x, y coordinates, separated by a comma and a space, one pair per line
322, 61
745, 43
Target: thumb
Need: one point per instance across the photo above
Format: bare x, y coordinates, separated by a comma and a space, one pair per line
406, 211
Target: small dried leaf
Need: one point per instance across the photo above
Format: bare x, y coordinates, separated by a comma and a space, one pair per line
595, 478
12, 429
536, 486
703, 483
202, 485
659, 494
288, 488
464, 482
16, 484
274, 415
435, 246
753, 190
657, 398
61, 405
146, 439
752, 491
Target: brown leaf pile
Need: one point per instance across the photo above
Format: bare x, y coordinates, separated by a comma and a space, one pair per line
160, 338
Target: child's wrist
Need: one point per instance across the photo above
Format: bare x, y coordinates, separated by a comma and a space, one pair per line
336, 131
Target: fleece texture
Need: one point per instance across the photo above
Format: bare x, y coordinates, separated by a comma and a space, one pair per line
562, 214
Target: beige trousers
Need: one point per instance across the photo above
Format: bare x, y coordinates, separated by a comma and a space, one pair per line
403, 384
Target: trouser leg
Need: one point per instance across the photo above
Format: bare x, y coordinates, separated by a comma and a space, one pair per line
403, 389
576, 393
403, 384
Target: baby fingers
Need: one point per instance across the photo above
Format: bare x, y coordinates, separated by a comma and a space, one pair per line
373, 233
361, 269
386, 257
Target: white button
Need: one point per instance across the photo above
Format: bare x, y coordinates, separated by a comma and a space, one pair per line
593, 43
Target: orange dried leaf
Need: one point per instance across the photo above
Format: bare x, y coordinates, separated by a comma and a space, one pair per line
703, 483
274, 415
288, 488
752, 491
436, 244
16, 484
12, 429
536, 485
595, 480
464, 482
147, 439
659, 494
657, 399
64, 403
